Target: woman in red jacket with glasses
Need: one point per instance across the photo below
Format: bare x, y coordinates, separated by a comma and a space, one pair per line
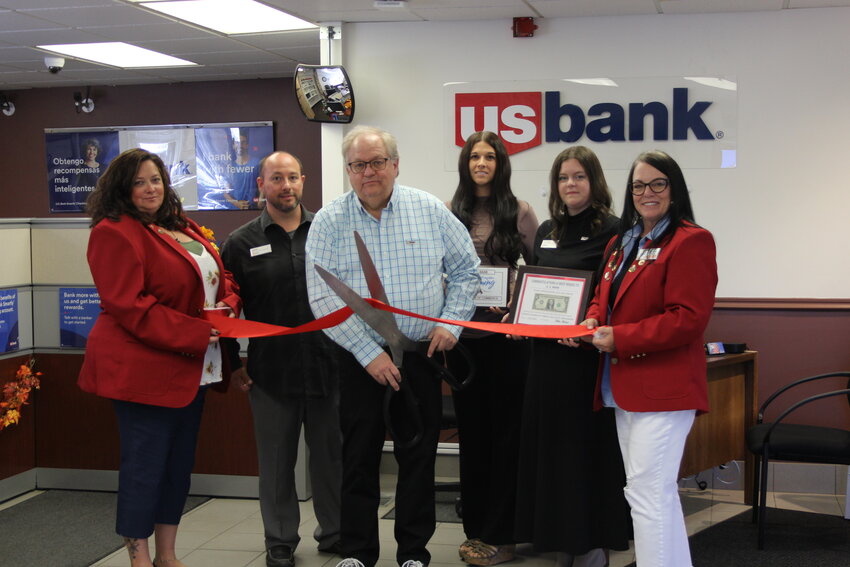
650, 310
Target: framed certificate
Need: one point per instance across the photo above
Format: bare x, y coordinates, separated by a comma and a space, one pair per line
550, 296
494, 287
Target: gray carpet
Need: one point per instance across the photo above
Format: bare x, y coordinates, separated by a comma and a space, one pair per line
793, 539
62, 528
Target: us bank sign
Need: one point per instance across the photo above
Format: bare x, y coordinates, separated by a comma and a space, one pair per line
694, 119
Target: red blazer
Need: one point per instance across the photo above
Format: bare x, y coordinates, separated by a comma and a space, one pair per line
659, 318
148, 342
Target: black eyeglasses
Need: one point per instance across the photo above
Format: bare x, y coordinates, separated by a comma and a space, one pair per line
376, 165
657, 185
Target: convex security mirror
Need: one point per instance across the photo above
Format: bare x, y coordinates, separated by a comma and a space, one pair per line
324, 93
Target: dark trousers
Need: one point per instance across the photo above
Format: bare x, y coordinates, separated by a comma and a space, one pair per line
489, 417
157, 456
277, 427
363, 435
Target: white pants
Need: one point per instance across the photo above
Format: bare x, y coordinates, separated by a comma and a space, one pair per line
652, 444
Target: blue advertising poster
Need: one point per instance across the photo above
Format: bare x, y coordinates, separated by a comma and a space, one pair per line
8, 320
227, 160
75, 160
78, 310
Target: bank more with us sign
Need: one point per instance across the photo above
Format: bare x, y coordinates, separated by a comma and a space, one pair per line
694, 119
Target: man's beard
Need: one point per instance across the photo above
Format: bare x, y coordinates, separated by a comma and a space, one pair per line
284, 208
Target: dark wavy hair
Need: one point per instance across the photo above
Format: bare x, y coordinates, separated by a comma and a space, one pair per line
504, 242
680, 210
112, 196
600, 196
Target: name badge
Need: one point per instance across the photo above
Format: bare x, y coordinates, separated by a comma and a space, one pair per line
260, 250
648, 253
548, 244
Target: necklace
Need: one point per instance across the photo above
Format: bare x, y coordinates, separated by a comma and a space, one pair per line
173, 234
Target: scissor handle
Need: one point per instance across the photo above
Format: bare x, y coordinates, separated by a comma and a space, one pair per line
443, 372
412, 408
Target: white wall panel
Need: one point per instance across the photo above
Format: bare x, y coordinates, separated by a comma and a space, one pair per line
780, 217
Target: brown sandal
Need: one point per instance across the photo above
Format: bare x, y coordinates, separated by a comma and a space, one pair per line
484, 554
468, 546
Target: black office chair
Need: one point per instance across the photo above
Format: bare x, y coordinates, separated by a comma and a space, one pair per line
794, 442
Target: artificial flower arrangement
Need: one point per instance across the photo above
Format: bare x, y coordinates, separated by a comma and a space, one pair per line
209, 235
16, 393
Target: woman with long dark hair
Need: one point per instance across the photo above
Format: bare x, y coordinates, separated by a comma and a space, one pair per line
151, 351
489, 410
570, 486
650, 310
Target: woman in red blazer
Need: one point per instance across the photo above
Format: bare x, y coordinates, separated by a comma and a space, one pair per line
151, 351
650, 310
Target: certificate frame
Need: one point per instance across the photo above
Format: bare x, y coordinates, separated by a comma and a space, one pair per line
550, 296
494, 286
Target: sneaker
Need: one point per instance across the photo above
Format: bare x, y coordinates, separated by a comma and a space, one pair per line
412, 563
280, 556
350, 562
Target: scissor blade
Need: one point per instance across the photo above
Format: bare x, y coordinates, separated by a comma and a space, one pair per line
381, 321
373, 280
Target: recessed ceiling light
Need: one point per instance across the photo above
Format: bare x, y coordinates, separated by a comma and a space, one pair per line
117, 54
230, 16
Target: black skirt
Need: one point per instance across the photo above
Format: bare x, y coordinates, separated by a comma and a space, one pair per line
571, 476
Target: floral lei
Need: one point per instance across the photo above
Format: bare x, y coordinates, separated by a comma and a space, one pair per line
16, 393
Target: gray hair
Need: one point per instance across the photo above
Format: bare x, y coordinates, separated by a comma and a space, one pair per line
389, 140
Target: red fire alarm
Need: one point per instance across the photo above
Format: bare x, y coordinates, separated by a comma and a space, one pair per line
524, 27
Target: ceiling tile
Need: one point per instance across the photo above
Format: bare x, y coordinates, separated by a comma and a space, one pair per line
15, 21
148, 32
580, 8
196, 45
282, 39
717, 6
115, 14
39, 4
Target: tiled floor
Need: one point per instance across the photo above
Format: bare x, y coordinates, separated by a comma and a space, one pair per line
229, 532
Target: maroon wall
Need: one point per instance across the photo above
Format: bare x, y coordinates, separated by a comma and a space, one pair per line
792, 344
23, 169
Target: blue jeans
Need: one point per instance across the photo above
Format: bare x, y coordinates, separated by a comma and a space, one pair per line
157, 457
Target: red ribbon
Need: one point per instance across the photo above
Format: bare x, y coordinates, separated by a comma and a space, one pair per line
241, 328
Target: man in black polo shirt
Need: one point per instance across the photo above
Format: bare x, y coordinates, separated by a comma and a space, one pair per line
290, 380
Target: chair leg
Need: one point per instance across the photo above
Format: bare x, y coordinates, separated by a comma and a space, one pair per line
762, 500
755, 493
847, 498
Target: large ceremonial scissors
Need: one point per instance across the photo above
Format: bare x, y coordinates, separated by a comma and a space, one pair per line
385, 325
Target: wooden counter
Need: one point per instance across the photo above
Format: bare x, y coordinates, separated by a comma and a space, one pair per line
717, 437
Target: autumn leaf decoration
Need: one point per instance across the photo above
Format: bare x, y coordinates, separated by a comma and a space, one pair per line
16, 393
209, 235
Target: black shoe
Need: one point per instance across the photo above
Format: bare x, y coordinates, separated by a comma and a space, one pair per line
280, 556
332, 549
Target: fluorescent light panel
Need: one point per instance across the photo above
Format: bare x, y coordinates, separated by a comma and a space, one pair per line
230, 16
117, 54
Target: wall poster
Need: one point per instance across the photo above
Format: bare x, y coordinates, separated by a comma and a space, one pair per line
78, 310
211, 166
8, 320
